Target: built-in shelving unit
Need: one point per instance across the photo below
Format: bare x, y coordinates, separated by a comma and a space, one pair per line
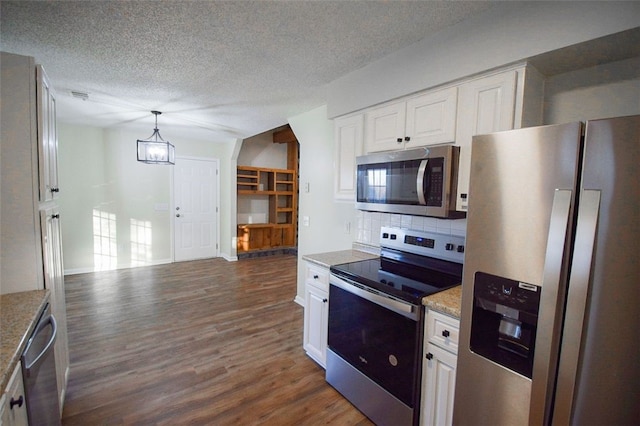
280, 186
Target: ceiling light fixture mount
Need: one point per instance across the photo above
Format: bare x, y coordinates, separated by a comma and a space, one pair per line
154, 149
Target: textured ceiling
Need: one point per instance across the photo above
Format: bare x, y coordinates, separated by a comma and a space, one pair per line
216, 69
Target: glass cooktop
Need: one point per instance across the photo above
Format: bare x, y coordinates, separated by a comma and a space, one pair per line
409, 280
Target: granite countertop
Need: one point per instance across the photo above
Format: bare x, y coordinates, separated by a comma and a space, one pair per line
447, 302
18, 316
337, 257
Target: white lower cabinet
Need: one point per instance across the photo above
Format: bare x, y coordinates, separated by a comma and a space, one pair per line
316, 312
439, 369
54, 281
13, 408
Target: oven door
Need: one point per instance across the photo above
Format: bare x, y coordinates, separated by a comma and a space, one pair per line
376, 334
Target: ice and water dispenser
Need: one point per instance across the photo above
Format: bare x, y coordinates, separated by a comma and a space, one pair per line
504, 321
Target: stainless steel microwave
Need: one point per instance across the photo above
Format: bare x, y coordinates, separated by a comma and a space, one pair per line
421, 182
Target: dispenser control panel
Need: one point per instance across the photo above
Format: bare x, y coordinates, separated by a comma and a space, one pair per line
505, 321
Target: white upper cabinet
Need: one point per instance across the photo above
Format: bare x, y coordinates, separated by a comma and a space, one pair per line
385, 127
431, 118
47, 137
486, 105
348, 139
425, 119
502, 100
498, 102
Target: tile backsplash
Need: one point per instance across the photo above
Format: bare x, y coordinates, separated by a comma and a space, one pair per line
369, 224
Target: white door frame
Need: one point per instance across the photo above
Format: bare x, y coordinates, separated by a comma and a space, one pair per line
172, 199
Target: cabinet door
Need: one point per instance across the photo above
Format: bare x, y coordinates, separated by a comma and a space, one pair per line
438, 386
385, 127
431, 118
47, 137
14, 409
348, 139
316, 311
54, 281
485, 105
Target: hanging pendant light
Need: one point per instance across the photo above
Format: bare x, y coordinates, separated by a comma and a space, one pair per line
154, 149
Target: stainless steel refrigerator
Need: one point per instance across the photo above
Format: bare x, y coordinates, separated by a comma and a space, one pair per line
550, 323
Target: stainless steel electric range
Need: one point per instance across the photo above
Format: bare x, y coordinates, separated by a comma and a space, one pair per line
376, 321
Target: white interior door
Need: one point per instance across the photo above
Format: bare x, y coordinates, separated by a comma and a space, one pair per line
195, 209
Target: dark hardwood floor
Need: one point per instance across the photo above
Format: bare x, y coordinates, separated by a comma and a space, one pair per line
205, 342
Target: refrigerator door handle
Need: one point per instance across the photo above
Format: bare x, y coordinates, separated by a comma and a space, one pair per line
550, 312
586, 228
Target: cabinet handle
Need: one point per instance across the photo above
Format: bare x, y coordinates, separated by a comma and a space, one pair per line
17, 402
407, 138
55, 216
55, 189
325, 300
429, 356
315, 277
399, 140
445, 333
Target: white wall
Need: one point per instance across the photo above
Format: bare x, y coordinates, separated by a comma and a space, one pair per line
608, 90
260, 151
101, 178
505, 34
328, 219
83, 188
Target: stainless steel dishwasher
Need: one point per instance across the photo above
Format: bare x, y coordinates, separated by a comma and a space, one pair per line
39, 372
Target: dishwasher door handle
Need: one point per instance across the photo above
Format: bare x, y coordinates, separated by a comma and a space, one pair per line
49, 346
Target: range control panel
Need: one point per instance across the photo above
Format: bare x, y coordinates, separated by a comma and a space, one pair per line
432, 244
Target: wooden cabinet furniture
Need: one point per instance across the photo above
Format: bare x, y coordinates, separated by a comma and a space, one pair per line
30, 238
425, 119
13, 408
316, 312
439, 369
279, 187
349, 143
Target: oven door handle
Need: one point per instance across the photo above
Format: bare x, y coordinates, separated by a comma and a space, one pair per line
403, 308
420, 181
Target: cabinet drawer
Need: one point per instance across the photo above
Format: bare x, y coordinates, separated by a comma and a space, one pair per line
317, 276
442, 330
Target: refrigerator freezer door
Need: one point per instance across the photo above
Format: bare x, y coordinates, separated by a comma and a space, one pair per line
599, 372
516, 177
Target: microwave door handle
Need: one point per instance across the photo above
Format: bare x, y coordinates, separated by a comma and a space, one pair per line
420, 181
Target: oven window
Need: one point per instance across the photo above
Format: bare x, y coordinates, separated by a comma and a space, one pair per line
380, 343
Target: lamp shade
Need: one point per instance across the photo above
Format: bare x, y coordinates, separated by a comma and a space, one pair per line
156, 152
154, 149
